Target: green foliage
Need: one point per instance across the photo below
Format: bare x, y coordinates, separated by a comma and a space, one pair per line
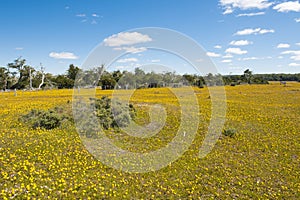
109, 115
113, 114
48, 119
247, 76
63, 82
17, 76
19, 67
229, 132
107, 81
4, 78
72, 72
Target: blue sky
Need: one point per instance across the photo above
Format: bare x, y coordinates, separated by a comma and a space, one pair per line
262, 35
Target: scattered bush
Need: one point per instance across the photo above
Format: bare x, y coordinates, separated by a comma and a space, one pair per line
110, 114
113, 114
229, 132
48, 119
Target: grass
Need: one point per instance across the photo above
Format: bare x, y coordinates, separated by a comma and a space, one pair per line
261, 161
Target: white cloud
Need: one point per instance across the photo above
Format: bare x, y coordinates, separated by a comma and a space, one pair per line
288, 6
63, 55
126, 60
218, 47
227, 11
155, 61
230, 5
250, 31
228, 56
297, 20
131, 49
126, 38
296, 57
290, 52
294, 65
236, 51
226, 61
250, 14
212, 54
296, 54
19, 48
255, 58
264, 31
81, 15
250, 58
298, 44
282, 46
95, 15
240, 43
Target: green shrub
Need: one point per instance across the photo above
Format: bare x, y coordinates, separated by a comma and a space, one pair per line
109, 116
113, 114
49, 119
229, 132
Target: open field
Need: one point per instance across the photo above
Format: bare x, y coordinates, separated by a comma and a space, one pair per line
262, 160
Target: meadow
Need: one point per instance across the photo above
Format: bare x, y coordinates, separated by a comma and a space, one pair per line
261, 161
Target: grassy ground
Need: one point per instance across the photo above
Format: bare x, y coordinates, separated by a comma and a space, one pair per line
260, 162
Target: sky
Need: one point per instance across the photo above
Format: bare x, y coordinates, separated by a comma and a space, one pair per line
260, 35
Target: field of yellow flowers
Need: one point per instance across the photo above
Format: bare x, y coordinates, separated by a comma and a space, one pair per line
261, 161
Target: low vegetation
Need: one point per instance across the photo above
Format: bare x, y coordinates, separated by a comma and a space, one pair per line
109, 116
261, 161
229, 132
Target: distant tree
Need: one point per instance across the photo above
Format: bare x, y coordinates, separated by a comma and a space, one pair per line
63, 82
168, 77
191, 79
209, 79
139, 76
153, 79
23, 72
248, 76
139, 72
218, 79
107, 81
4, 78
42, 78
200, 82
18, 65
86, 78
127, 81
89, 77
72, 72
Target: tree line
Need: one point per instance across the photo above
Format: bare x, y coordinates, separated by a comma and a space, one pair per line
19, 75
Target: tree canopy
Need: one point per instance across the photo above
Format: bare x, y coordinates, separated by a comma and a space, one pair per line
19, 75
